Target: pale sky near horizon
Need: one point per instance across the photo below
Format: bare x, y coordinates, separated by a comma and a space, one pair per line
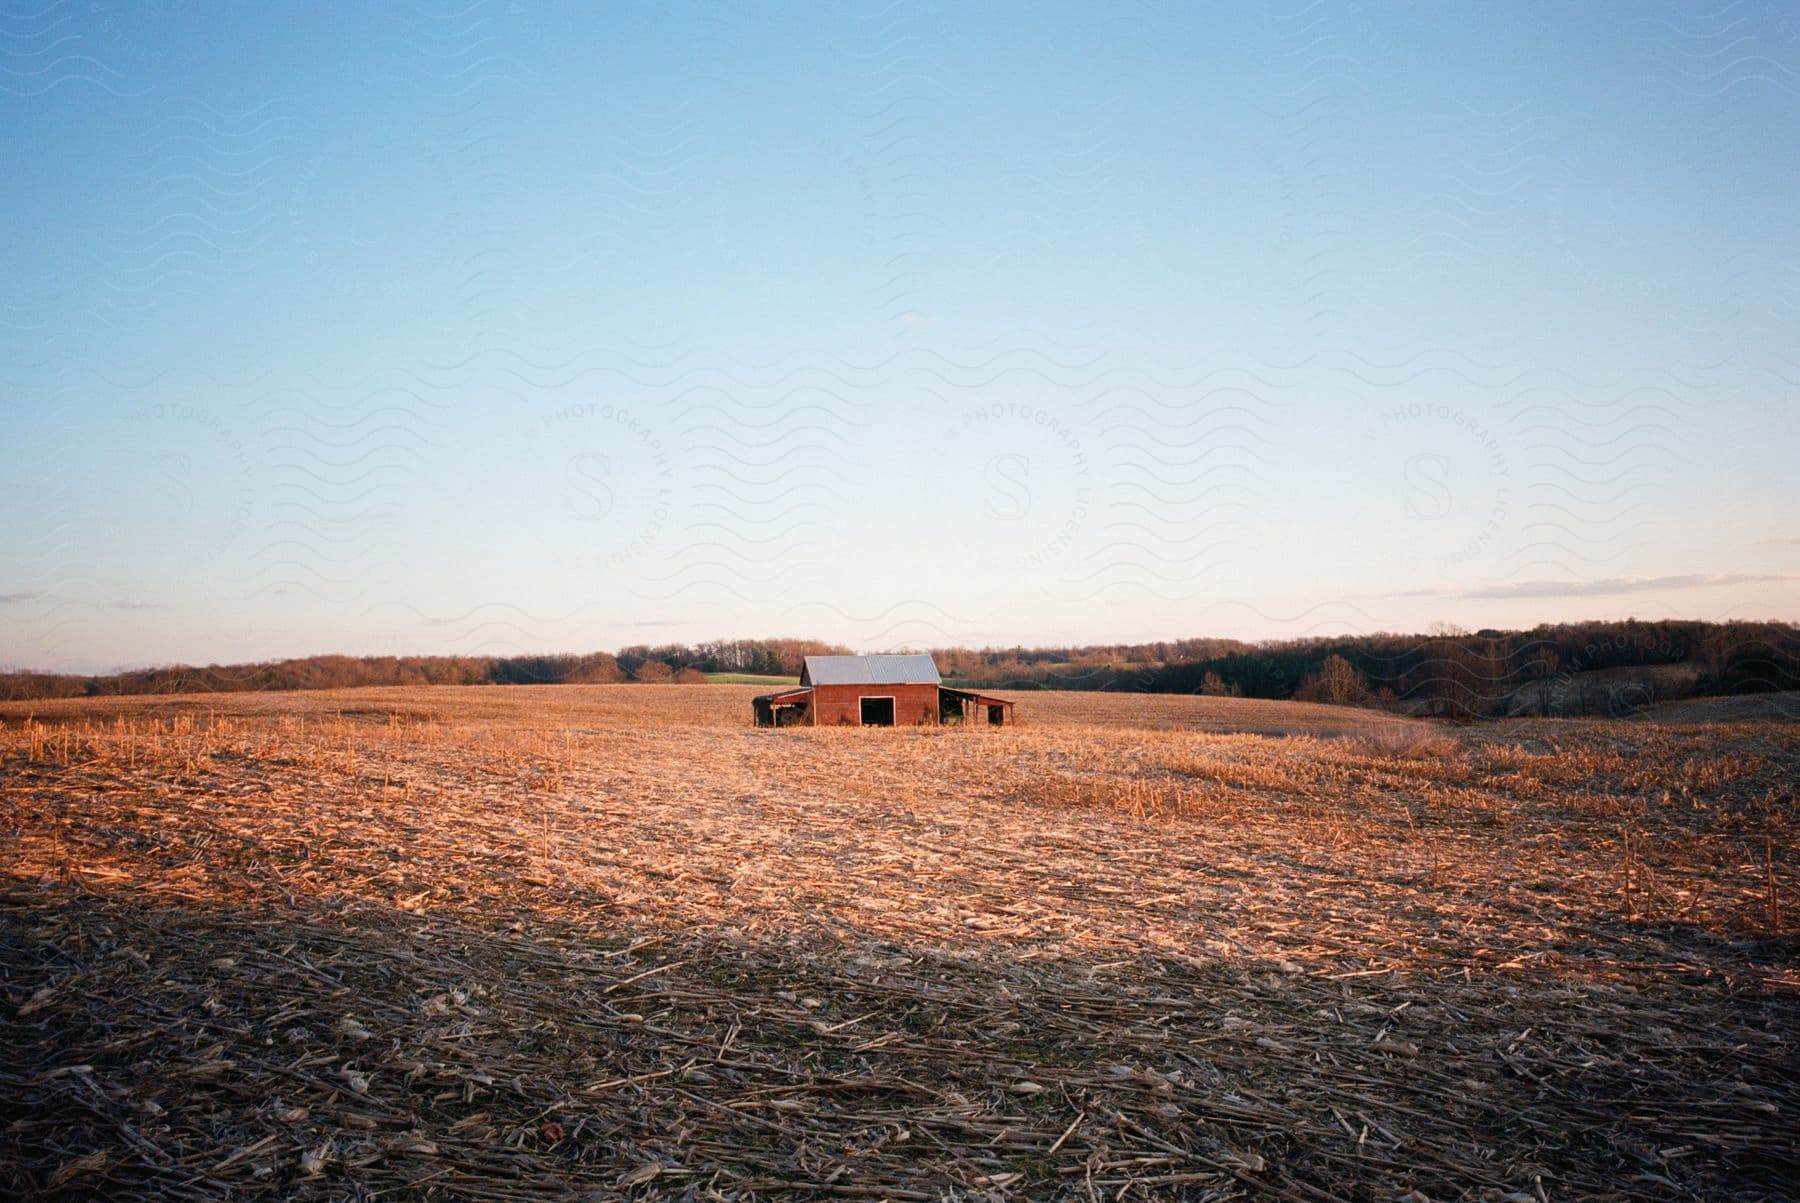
494, 328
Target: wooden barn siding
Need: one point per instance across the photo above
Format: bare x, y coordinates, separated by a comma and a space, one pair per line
913, 704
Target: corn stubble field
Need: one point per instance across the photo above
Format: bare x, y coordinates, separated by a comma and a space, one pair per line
611, 942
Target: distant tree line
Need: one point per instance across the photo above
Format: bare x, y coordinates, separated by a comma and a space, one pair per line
1447, 671
667, 663
764, 657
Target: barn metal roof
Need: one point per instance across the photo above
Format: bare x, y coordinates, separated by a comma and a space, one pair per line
870, 670
976, 695
792, 691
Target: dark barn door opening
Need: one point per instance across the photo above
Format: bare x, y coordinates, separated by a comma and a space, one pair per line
877, 712
996, 715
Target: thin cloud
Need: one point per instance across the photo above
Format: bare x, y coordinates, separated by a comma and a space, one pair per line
1610, 587
10, 599
138, 605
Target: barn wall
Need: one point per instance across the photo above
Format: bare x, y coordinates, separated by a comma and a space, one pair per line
913, 704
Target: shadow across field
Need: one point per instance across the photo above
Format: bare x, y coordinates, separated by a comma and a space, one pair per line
167, 1048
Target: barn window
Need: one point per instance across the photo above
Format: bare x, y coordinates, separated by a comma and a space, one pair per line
877, 712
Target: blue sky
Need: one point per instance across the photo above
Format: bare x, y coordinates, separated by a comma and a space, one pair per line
487, 328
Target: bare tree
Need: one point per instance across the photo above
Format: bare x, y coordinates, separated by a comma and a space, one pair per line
1340, 683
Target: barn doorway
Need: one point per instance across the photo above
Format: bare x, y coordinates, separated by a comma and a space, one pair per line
877, 712
996, 716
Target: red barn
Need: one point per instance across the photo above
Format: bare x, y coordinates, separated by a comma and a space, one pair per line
875, 691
